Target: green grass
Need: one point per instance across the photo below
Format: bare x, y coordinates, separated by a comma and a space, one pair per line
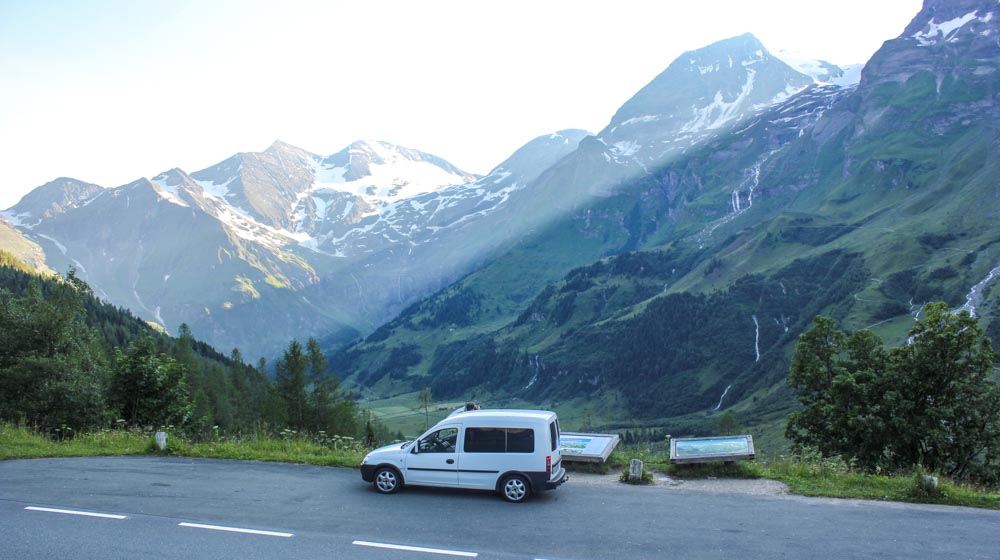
816, 480
813, 476
804, 476
23, 443
258, 448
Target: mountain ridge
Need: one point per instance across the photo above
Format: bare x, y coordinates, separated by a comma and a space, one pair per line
264, 237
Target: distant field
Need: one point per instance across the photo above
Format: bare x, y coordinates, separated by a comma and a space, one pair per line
403, 413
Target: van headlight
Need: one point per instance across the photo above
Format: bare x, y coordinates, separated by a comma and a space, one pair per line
365, 460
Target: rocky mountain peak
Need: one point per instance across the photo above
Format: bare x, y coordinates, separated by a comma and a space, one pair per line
951, 21
949, 41
51, 199
739, 69
173, 177
387, 165
701, 94
542, 152
280, 146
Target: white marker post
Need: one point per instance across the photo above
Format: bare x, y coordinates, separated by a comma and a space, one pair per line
635, 470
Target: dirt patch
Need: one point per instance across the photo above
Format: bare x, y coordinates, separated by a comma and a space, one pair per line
750, 486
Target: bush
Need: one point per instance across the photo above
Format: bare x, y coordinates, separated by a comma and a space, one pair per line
929, 403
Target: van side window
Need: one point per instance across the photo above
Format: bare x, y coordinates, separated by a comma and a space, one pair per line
441, 441
520, 440
499, 440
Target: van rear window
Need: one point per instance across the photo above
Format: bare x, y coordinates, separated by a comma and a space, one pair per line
499, 440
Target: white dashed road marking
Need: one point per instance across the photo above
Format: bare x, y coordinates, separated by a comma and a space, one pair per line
74, 512
236, 530
417, 549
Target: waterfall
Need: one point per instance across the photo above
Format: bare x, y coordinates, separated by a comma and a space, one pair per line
975, 295
537, 366
756, 338
718, 406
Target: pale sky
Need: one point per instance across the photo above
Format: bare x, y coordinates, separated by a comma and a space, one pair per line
110, 91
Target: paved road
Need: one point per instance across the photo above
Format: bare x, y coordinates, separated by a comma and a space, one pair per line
316, 512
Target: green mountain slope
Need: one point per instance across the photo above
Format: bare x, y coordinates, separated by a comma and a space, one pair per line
862, 204
21, 248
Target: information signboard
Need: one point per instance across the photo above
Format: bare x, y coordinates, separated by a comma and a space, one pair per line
590, 448
712, 449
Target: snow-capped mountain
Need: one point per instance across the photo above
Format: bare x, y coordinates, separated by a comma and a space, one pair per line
289, 188
379, 172
701, 94
336, 245
197, 247
822, 71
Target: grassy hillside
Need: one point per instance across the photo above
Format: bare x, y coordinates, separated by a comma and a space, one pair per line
22, 249
644, 307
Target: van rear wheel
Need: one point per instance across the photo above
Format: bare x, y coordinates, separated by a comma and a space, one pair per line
387, 481
515, 488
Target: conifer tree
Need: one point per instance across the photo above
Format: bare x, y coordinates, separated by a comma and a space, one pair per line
290, 372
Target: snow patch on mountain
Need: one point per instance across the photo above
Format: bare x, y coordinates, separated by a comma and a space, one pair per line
60, 246
719, 111
391, 175
17, 220
168, 191
93, 198
789, 91
218, 190
627, 148
821, 71
642, 119
944, 30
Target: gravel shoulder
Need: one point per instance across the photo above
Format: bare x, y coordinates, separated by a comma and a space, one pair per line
746, 486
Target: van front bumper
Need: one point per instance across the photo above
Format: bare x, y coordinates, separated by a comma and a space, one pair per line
368, 473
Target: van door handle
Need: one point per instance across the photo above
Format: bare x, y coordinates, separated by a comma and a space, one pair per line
450, 461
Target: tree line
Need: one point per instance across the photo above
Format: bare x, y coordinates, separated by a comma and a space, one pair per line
71, 362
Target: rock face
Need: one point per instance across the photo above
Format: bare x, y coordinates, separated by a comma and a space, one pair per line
50, 200
947, 53
950, 40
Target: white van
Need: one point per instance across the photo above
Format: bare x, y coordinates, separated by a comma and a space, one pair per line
514, 452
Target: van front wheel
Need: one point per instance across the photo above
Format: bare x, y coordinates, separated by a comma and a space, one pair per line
515, 488
386, 481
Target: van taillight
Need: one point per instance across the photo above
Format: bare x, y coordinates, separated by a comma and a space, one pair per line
548, 464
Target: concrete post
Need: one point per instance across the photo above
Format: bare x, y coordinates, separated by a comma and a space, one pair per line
635, 470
